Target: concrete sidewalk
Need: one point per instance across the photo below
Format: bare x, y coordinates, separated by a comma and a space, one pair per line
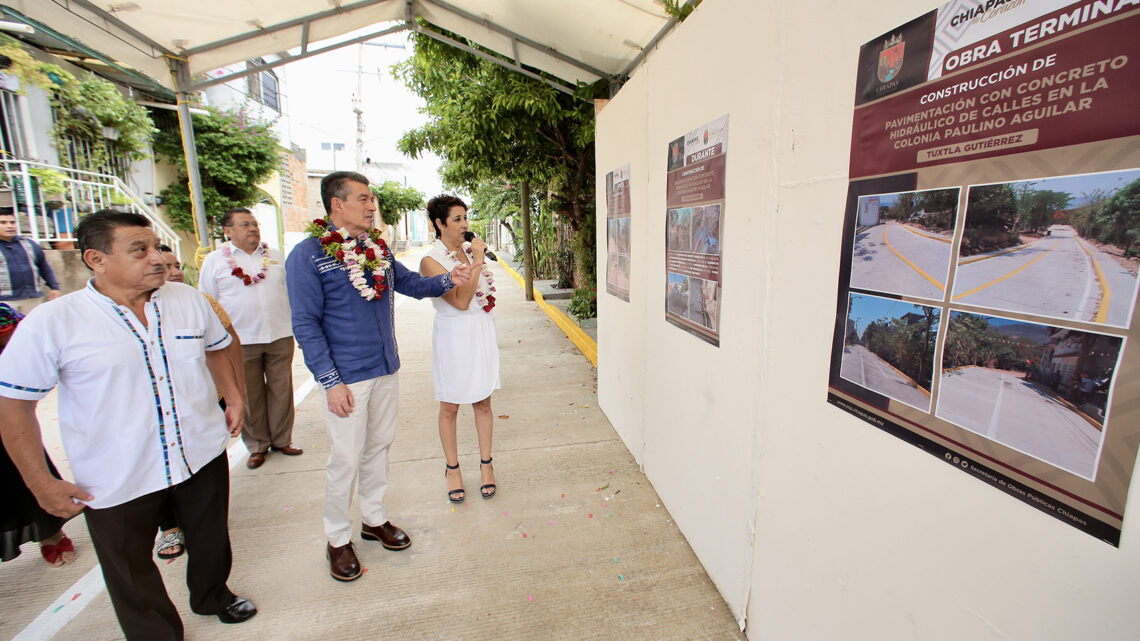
575, 545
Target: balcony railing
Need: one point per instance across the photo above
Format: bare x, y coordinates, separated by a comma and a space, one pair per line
53, 219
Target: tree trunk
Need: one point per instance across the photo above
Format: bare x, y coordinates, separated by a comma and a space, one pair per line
528, 246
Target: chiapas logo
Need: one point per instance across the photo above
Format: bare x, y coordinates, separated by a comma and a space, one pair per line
891, 58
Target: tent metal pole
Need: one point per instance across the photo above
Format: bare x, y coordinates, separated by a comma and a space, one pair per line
181, 73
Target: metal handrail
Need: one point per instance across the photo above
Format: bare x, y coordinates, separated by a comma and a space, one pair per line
100, 191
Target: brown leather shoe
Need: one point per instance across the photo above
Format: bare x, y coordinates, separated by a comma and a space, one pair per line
255, 460
343, 564
390, 536
289, 450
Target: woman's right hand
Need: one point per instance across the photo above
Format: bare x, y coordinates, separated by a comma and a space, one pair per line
478, 249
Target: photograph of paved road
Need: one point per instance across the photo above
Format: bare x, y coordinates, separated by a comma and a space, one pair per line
1038, 389
1060, 247
889, 348
903, 242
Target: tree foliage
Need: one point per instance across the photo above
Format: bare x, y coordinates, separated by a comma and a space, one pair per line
907, 343
971, 341
236, 153
489, 123
393, 199
1117, 219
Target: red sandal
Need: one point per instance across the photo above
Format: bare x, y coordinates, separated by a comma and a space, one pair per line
53, 553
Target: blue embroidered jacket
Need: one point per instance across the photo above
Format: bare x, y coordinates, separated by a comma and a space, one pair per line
346, 338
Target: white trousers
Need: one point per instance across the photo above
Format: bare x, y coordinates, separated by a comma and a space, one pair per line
359, 450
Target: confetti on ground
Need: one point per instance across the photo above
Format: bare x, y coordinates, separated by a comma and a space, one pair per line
603, 503
602, 487
364, 571
77, 595
169, 561
504, 415
584, 406
563, 496
590, 516
505, 514
611, 471
452, 509
615, 559
530, 598
621, 577
550, 522
524, 535
286, 508
611, 513
57, 609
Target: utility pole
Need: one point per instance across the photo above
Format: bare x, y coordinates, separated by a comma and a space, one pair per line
356, 108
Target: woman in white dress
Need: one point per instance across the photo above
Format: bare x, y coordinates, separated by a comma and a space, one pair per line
465, 349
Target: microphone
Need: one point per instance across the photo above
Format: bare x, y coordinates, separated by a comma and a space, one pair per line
468, 235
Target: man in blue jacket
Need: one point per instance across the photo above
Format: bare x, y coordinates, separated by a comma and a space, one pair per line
343, 319
22, 266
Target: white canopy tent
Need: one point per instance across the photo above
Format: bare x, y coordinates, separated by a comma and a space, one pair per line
173, 44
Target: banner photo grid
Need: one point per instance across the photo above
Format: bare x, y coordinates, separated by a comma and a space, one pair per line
618, 232
989, 268
694, 220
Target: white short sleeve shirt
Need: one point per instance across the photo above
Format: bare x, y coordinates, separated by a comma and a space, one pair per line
137, 407
259, 311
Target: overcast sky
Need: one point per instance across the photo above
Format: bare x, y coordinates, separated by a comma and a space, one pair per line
319, 104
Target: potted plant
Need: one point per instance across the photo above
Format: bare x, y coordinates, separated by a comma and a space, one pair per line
120, 202
53, 186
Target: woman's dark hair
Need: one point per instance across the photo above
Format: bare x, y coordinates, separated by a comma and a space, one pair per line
437, 209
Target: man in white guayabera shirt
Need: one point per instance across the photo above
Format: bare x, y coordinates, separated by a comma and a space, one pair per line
136, 360
248, 279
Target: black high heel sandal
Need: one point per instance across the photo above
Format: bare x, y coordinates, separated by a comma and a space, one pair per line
491, 486
455, 496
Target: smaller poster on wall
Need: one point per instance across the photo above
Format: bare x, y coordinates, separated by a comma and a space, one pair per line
694, 220
617, 232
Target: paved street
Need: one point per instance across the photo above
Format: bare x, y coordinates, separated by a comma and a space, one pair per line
575, 545
863, 367
1003, 406
1054, 276
894, 258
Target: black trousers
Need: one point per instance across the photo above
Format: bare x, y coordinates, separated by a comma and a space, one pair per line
123, 537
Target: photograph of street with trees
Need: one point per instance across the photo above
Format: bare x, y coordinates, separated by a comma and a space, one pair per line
1041, 390
1066, 247
903, 242
888, 348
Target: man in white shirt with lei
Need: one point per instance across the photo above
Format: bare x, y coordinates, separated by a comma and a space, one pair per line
248, 279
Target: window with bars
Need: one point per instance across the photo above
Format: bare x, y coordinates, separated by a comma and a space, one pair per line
263, 85
12, 139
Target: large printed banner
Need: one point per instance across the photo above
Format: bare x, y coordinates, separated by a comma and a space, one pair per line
694, 215
988, 279
617, 232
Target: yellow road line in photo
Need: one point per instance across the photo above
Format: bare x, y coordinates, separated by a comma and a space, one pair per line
994, 282
912, 265
1102, 311
940, 239
1003, 253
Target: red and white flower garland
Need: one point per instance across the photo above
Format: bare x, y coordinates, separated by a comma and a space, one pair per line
485, 294
366, 252
238, 272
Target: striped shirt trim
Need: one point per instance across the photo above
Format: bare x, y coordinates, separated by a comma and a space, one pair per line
191, 336
154, 387
217, 342
24, 388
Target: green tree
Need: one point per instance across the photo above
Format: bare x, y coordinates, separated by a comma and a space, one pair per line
489, 123
236, 153
1036, 208
991, 219
393, 199
1118, 221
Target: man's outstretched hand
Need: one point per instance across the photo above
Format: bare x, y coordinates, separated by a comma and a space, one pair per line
461, 275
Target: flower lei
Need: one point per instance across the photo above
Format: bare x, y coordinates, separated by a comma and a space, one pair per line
237, 272
365, 252
486, 298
